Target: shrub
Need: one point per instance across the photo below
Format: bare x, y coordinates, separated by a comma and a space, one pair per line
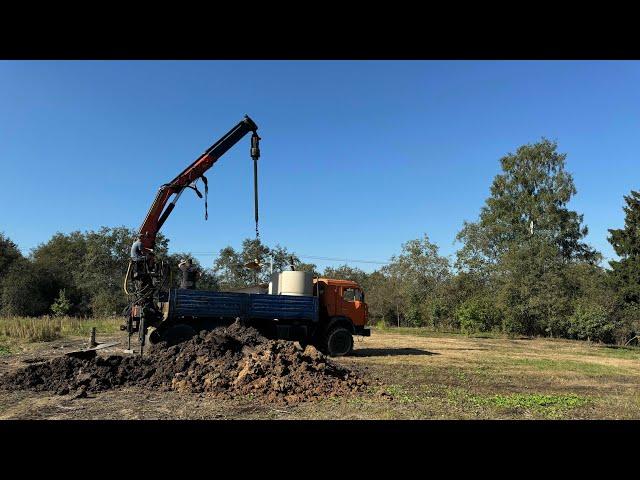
627, 319
61, 305
440, 314
478, 315
107, 303
591, 322
27, 290
415, 314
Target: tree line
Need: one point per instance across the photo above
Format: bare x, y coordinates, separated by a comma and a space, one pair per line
523, 266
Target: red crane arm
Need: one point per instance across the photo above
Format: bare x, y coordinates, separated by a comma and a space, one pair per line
158, 213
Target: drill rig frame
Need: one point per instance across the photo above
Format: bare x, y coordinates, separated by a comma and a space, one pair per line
150, 276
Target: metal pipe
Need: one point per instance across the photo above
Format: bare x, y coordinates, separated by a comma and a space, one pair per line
255, 193
255, 155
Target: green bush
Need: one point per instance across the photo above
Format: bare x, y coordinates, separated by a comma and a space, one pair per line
478, 315
27, 290
591, 322
414, 314
440, 314
105, 303
61, 306
627, 320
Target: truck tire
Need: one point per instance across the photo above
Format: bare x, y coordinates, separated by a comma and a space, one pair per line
338, 342
178, 333
153, 337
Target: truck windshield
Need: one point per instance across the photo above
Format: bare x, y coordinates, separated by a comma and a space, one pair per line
352, 294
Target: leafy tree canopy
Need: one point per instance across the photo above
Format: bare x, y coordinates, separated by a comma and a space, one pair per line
529, 198
625, 241
9, 253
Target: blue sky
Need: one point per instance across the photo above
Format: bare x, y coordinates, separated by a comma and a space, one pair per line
357, 156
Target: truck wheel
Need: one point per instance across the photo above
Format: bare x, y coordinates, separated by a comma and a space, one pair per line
338, 342
178, 333
153, 337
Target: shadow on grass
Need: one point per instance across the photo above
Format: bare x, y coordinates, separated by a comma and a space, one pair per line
491, 337
460, 348
390, 352
628, 348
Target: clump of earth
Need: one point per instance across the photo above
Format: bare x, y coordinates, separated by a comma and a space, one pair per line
226, 362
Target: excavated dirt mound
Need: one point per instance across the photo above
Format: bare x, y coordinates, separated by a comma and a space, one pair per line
226, 362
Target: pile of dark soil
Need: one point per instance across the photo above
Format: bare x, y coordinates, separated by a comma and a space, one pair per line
226, 362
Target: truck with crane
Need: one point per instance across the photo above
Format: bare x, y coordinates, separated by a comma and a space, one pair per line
324, 312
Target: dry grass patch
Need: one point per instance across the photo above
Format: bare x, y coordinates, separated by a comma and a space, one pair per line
46, 329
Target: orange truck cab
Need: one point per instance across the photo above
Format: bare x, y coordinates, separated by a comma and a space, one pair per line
343, 313
341, 298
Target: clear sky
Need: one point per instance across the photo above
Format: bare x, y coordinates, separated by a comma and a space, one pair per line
357, 156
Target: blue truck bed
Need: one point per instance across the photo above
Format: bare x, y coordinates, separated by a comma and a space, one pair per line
205, 304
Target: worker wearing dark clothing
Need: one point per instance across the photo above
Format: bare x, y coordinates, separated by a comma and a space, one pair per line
190, 274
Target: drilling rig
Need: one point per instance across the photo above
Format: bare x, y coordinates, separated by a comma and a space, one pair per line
148, 277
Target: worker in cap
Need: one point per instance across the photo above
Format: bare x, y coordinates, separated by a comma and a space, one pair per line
190, 273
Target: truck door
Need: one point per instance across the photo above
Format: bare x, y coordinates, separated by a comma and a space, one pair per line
352, 305
329, 299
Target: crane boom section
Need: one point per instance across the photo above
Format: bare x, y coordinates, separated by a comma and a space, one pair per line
158, 213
